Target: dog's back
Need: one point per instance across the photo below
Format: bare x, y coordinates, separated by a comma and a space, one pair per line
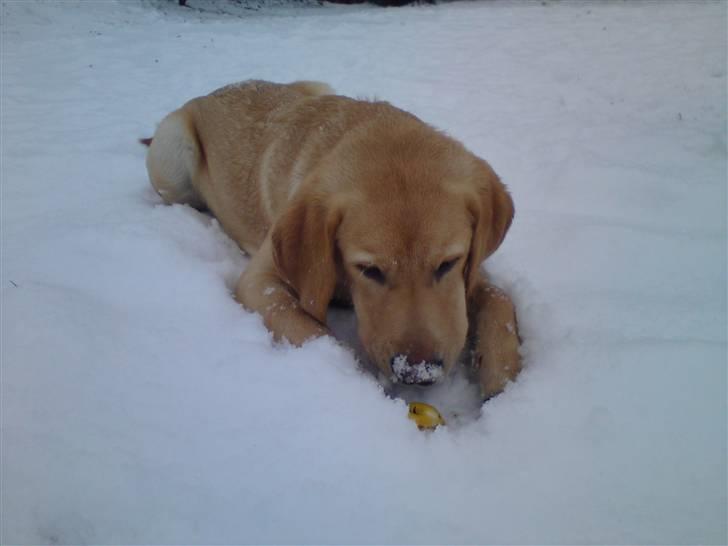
243, 150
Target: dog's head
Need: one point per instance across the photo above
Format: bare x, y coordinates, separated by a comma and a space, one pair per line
405, 230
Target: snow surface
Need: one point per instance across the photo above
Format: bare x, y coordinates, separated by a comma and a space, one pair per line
141, 404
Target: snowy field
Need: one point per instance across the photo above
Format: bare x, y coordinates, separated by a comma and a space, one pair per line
141, 404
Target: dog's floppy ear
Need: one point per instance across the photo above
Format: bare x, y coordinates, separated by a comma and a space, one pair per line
491, 208
304, 239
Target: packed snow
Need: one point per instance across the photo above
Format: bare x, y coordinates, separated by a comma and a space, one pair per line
141, 404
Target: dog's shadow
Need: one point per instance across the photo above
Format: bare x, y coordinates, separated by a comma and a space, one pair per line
457, 397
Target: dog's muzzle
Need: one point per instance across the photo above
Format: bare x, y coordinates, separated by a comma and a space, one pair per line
424, 372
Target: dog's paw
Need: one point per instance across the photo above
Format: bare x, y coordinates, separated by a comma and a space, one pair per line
496, 359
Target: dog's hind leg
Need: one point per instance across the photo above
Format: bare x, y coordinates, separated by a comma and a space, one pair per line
173, 159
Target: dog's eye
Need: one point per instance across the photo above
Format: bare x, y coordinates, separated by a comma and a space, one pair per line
446, 266
372, 272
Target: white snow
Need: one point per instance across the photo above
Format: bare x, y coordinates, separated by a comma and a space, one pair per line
141, 404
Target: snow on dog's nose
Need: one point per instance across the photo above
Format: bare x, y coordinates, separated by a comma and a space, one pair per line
419, 372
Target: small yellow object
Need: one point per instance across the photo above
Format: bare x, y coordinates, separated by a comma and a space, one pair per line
425, 416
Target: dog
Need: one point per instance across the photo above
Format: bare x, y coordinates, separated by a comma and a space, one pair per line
337, 199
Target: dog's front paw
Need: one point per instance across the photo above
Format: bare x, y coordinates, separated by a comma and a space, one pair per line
496, 358
496, 368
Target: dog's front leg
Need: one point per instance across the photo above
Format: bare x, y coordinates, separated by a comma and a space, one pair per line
261, 289
495, 335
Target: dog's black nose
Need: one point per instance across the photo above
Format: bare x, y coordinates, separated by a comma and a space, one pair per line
416, 372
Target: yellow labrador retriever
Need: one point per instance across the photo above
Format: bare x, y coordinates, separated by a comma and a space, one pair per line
358, 201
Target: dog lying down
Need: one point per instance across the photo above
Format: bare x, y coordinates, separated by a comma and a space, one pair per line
337, 199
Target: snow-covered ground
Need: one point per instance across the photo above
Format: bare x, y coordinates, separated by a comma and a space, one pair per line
141, 404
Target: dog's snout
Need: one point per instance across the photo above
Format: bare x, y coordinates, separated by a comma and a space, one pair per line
416, 371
